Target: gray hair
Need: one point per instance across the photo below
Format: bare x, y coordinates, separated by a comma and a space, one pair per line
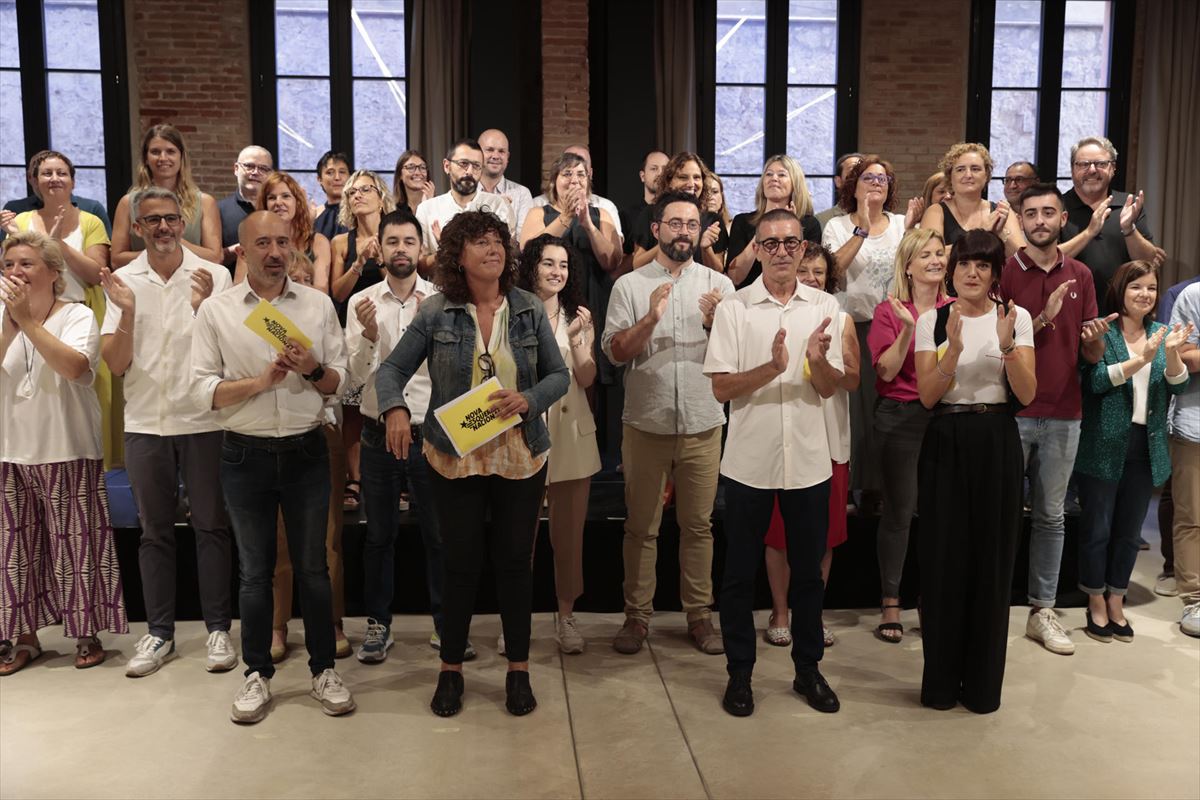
49, 251
150, 193
1098, 141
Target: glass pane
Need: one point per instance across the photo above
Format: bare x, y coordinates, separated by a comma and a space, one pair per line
12, 184
302, 37
741, 112
1081, 114
812, 41
1014, 130
378, 38
379, 142
303, 122
10, 55
739, 194
1086, 43
307, 178
76, 111
12, 121
1065, 185
1016, 53
72, 34
821, 190
741, 41
92, 184
811, 122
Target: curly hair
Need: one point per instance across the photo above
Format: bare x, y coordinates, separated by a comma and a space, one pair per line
677, 163
467, 226
846, 195
570, 297
961, 149
833, 281
346, 216
302, 227
185, 186
39, 158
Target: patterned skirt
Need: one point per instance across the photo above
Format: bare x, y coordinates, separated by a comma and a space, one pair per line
59, 557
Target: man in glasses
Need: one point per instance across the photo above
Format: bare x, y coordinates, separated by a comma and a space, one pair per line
845, 164
495, 161
251, 168
657, 327
1017, 178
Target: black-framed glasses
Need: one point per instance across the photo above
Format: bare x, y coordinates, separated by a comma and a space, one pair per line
678, 225
1017, 180
1084, 166
468, 166
154, 220
414, 168
254, 169
487, 366
791, 244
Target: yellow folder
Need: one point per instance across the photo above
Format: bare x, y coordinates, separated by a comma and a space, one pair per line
274, 327
469, 420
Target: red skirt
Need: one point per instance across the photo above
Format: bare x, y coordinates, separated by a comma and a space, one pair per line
838, 486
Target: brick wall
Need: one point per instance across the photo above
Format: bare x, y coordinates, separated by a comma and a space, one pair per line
565, 96
189, 66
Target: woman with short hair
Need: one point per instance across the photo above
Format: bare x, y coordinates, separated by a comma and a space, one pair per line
968, 166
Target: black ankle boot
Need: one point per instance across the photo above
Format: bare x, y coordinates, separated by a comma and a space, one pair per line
518, 698
447, 698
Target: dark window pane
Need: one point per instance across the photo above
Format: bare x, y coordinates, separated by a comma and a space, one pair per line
378, 38
308, 180
303, 122
812, 41
12, 121
1014, 128
302, 37
77, 116
72, 34
1016, 54
811, 122
741, 41
739, 129
92, 183
739, 194
821, 190
1081, 114
12, 184
380, 123
10, 55
1086, 43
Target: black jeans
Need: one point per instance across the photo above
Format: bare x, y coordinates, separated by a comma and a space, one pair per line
805, 515
464, 507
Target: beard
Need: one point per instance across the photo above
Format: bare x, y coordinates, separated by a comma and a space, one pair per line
465, 185
164, 246
679, 250
1042, 238
401, 268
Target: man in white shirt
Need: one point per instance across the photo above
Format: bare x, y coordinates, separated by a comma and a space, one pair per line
495, 163
464, 165
657, 327
594, 199
271, 402
775, 355
147, 337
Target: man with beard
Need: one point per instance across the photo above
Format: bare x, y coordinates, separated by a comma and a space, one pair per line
1058, 292
657, 327
270, 398
382, 313
252, 167
495, 163
464, 164
147, 338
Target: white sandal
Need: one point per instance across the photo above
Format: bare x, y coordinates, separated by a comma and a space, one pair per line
778, 636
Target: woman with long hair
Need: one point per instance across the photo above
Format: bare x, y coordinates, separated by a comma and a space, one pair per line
411, 185
782, 185
685, 172
282, 194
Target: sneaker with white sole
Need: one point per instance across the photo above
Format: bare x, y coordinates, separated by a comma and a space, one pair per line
1189, 623
435, 641
570, 640
1043, 626
334, 696
376, 644
1165, 585
252, 701
150, 653
221, 655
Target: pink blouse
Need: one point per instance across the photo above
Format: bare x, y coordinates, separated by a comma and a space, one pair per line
885, 329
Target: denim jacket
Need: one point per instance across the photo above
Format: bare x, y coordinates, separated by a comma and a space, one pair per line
443, 333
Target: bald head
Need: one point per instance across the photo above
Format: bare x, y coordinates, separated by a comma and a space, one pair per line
581, 151
494, 144
265, 241
253, 165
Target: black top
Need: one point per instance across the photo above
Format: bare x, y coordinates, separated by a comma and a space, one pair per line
1108, 251
629, 220
372, 274
951, 230
642, 236
741, 233
327, 223
233, 210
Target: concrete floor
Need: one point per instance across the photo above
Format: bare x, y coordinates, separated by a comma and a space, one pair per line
612, 726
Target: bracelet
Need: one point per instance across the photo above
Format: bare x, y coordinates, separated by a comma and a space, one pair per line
1007, 350
122, 330
949, 377
1045, 322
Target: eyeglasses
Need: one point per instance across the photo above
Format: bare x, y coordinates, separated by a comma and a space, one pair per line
254, 169
678, 225
487, 367
468, 166
790, 244
1084, 166
1017, 180
875, 178
355, 191
154, 220
414, 168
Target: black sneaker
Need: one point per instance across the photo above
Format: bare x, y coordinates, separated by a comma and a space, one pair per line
739, 697
818, 693
447, 698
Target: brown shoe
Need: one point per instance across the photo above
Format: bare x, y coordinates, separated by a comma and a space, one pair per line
631, 637
707, 639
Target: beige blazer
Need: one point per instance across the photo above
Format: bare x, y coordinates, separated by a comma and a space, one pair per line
573, 450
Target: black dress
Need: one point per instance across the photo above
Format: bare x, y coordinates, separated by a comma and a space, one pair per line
372, 274
951, 230
741, 233
327, 223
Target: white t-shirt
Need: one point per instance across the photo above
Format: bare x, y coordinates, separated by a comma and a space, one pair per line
980, 374
45, 418
871, 273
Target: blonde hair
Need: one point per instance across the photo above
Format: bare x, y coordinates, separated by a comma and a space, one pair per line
801, 199
346, 216
48, 250
300, 264
185, 187
961, 149
913, 242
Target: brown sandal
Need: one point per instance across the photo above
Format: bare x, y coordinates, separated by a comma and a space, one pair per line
89, 653
16, 658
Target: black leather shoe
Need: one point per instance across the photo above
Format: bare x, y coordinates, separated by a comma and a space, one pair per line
739, 697
447, 698
518, 697
816, 691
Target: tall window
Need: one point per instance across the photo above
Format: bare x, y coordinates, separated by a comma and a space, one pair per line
339, 72
783, 83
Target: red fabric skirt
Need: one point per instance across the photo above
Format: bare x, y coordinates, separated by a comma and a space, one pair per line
838, 487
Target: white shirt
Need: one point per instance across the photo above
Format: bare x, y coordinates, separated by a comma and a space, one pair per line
777, 435
593, 200
1141, 387
873, 269
979, 377
519, 197
837, 414
158, 382
393, 317
444, 208
224, 349
45, 418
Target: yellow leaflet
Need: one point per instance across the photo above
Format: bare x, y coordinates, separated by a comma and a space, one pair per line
274, 327
469, 420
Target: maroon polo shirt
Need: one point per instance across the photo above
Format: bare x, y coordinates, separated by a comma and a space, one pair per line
1056, 349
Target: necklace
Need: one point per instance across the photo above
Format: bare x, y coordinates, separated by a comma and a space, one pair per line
29, 356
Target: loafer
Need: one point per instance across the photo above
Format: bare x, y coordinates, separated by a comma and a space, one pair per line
1101, 633
631, 637
1122, 633
739, 697
518, 696
818, 693
447, 698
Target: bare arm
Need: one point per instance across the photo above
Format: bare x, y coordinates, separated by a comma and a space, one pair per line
59, 356
933, 220
642, 257
122, 252
730, 385
851, 359
210, 232
605, 243
321, 260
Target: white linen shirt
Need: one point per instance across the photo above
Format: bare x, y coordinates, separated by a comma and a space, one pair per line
393, 318
224, 349
777, 434
666, 390
444, 208
519, 197
158, 397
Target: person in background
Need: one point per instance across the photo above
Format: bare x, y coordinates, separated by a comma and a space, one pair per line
596, 200
495, 163
1185, 463
411, 185
1019, 176
283, 195
333, 170
716, 200
936, 189
687, 173
841, 171
782, 186
652, 166
969, 167
251, 168
33, 201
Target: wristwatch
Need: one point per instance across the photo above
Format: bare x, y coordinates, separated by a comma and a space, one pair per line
863, 232
315, 375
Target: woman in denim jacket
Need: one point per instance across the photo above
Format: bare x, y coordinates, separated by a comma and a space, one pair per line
480, 326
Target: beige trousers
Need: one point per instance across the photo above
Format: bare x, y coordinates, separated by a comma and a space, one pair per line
568, 502
1185, 490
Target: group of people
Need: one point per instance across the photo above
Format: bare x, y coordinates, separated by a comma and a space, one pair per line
284, 358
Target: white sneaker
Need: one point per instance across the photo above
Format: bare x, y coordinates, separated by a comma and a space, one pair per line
150, 653
500, 645
570, 641
221, 656
334, 696
253, 700
1044, 627
1165, 585
1189, 623
435, 641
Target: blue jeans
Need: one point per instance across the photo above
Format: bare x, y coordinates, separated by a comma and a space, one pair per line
260, 478
382, 480
1049, 446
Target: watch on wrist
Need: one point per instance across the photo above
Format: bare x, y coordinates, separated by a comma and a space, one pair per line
861, 232
315, 375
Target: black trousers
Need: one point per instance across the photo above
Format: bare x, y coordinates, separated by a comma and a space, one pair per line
464, 508
969, 500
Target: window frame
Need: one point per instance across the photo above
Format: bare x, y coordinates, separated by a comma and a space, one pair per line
1050, 92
